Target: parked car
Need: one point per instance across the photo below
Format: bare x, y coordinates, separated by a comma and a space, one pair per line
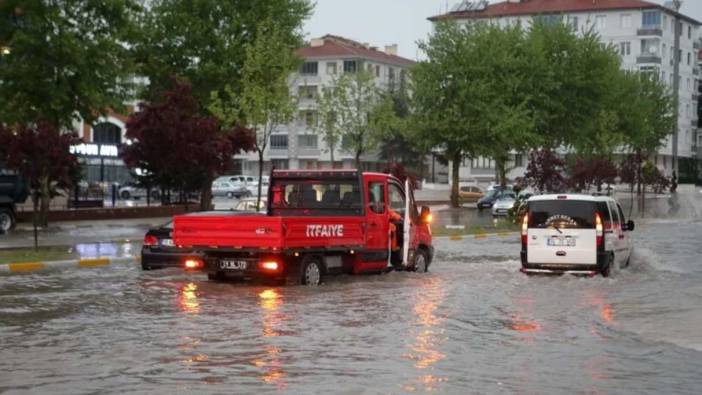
13, 189
577, 234
470, 194
493, 195
249, 204
132, 191
318, 223
158, 250
502, 205
230, 190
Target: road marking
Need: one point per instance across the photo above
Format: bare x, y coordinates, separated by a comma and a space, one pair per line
26, 267
93, 262
456, 238
505, 234
480, 236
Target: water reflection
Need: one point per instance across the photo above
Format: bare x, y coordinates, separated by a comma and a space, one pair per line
95, 250
270, 301
425, 350
188, 299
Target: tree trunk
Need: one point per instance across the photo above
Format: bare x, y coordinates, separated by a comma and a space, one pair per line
331, 154
35, 217
45, 196
260, 179
358, 160
206, 195
501, 169
455, 179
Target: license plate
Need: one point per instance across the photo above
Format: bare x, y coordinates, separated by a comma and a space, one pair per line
233, 265
560, 241
167, 242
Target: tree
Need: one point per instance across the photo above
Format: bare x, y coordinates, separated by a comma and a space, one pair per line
205, 42
328, 124
63, 61
592, 170
264, 102
34, 152
178, 147
545, 171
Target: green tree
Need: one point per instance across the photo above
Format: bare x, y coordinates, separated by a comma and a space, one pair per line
205, 42
264, 101
328, 124
61, 62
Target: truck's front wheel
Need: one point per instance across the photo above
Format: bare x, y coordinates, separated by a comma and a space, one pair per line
421, 262
312, 272
7, 220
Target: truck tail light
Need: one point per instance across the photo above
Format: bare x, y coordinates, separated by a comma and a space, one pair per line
270, 265
194, 264
150, 240
525, 230
599, 229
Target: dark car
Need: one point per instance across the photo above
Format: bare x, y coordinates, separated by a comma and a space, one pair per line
493, 195
158, 250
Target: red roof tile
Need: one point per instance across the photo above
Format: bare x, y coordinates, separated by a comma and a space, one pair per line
530, 7
335, 46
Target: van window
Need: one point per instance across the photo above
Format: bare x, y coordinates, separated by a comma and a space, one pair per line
376, 197
397, 199
615, 216
605, 213
566, 214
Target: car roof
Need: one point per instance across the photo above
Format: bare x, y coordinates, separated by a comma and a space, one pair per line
570, 196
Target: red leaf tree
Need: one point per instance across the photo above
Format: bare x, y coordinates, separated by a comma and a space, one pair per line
593, 171
41, 154
545, 171
179, 147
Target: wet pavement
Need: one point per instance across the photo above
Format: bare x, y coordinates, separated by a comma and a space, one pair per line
474, 324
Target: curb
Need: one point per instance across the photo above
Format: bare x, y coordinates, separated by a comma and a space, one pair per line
32, 267
479, 236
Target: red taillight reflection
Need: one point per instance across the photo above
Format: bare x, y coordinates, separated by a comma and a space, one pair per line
150, 240
525, 229
193, 264
599, 229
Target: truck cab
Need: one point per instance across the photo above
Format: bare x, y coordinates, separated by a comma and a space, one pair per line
317, 223
13, 190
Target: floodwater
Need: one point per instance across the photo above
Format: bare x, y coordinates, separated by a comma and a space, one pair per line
473, 324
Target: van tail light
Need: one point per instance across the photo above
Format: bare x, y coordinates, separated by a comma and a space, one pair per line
599, 229
270, 265
150, 240
194, 264
525, 229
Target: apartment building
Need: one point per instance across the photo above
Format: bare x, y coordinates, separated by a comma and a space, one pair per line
297, 145
644, 35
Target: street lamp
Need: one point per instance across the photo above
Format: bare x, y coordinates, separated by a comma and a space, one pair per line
5, 51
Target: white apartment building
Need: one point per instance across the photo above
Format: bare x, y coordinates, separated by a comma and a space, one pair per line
297, 145
642, 31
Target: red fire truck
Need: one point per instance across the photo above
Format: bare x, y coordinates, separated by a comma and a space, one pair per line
317, 223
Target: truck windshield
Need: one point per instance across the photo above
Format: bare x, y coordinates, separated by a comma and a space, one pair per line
293, 197
563, 214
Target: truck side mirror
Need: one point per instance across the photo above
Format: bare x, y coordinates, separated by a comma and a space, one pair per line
426, 217
630, 226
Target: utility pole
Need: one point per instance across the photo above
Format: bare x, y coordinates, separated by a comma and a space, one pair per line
676, 80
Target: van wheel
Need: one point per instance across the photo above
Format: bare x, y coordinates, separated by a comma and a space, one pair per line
312, 272
607, 270
7, 220
421, 262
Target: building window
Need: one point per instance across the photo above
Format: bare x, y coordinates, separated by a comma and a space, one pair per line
279, 164
309, 68
649, 47
689, 32
107, 133
626, 21
665, 51
391, 74
331, 68
307, 118
651, 19
519, 160
482, 163
665, 22
600, 22
308, 141
377, 71
625, 48
573, 23
689, 58
307, 92
279, 141
350, 66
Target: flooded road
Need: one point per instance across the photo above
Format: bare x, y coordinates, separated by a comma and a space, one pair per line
474, 324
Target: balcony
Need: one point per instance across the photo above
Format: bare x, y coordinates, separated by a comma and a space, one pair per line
650, 31
648, 59
694, 122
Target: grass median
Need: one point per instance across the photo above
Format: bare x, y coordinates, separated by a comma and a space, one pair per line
44, 254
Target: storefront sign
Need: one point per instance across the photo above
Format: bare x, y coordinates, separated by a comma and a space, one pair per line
95, 150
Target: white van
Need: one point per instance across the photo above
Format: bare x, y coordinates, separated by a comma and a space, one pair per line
577, 234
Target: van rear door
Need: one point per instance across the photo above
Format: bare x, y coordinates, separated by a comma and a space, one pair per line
562, 232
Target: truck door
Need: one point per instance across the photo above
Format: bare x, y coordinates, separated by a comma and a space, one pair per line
409, 230
378, 225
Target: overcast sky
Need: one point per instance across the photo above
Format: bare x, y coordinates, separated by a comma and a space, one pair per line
403, 22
